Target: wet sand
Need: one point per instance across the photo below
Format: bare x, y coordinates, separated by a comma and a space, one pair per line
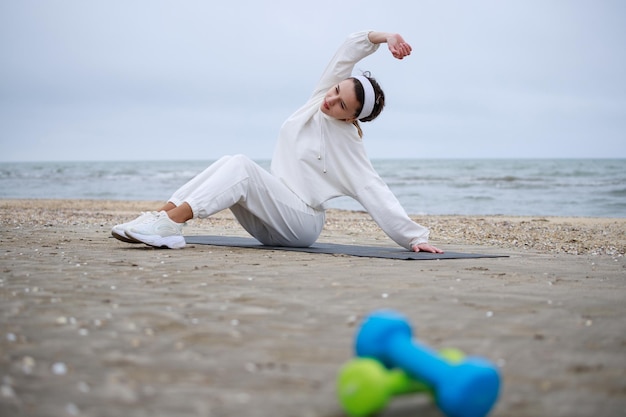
91, 326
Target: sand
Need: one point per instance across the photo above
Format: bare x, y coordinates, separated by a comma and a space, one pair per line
91, 326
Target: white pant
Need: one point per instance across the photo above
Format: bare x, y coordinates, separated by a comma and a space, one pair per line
264, 206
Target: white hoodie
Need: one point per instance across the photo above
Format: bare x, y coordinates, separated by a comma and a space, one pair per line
320, 158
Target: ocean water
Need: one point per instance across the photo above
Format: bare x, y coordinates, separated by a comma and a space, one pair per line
537, 187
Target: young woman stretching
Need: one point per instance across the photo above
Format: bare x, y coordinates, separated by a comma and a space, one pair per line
319, 156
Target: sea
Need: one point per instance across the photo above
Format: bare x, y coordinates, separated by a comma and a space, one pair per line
516, 187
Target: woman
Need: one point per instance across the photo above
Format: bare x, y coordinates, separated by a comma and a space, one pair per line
319, 156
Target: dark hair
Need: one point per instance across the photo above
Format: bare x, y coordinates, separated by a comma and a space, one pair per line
379, 102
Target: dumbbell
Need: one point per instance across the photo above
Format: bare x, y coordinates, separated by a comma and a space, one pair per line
467, 389
365, 386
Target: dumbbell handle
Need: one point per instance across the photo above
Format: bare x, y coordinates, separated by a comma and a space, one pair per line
418, 360
400, 383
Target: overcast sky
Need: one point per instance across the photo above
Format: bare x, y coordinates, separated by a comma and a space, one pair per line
191, 79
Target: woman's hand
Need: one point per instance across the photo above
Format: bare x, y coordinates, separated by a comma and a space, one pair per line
398, 47
425, 247
396, 44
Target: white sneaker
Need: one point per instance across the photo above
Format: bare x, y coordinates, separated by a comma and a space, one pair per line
119, 231
159, 231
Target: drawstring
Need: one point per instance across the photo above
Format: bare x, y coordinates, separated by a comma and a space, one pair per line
321, 156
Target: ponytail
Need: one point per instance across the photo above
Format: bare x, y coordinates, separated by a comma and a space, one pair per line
358, 128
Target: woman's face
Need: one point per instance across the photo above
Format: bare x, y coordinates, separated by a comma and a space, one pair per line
340, 101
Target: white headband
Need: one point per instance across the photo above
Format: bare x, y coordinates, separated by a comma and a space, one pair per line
368, 98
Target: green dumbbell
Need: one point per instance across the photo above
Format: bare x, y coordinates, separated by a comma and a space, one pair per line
365, 386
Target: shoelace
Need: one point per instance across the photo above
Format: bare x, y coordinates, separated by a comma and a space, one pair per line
148, 219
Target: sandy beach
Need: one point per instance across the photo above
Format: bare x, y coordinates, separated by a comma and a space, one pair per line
91, 326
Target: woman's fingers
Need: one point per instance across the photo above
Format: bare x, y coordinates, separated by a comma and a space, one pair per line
400, 50
425, 247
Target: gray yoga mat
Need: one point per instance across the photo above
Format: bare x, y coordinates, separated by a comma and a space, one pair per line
335, 249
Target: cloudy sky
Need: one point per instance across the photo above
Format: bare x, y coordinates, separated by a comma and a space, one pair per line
192, 79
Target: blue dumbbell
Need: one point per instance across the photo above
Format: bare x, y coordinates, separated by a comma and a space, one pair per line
466, 389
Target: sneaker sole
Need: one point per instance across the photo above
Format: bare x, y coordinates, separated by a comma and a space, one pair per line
122, 236
171, 242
